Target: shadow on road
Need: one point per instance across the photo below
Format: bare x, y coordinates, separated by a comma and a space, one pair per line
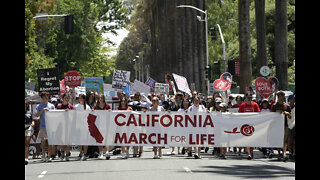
249, 171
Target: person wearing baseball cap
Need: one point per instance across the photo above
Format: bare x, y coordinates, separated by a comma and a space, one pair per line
223, 107
216, 107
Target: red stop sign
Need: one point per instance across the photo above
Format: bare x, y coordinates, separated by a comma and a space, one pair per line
72, 78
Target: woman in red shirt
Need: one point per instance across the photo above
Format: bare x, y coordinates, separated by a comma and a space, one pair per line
102, 105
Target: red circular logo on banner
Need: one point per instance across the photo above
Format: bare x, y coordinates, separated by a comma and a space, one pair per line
72, 78
247, 130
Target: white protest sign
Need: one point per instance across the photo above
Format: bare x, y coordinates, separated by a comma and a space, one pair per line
182, 83
161, 88
139, 86
120, 79
80, 90
125, 128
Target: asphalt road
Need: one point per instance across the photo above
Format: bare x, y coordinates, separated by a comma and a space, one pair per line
168, 167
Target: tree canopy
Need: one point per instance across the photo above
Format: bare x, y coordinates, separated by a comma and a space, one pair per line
47, 45
146, 31
158, 31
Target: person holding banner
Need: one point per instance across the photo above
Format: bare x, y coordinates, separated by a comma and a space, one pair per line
173, 107
223, 150
124, 106
238, 102
156, 107
67, 106
265, 107
102, 105
137, 105
185, 105
80, 107
282, 107
91, 99
249, 106
196, 107
40, 109
184, 108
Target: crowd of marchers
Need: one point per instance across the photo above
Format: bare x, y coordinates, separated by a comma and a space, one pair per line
181, 102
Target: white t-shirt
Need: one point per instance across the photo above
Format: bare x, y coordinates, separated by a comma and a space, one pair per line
265, 110
194, 108
181, 110
81, 107
160, 108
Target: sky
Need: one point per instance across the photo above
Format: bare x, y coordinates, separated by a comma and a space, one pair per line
122, 33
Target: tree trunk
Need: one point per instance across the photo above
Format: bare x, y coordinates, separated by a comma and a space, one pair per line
281, 44
261, 34
188, 50
155, 64
162, 41
244, 42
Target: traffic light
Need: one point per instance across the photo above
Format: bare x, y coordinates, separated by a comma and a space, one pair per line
208, 72
231, 67
68, 24
213, 33
216, 67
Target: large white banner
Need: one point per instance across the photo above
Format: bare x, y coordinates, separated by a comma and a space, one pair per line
117, 128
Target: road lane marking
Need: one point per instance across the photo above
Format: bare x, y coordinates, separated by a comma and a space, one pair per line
187, 169
42, 174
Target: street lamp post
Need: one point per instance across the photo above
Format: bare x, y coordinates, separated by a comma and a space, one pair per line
138, 68
206, 25
135, 67
68, 20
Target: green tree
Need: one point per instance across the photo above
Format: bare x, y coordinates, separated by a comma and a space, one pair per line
100, 66
34, 57
79, 50
172, 39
